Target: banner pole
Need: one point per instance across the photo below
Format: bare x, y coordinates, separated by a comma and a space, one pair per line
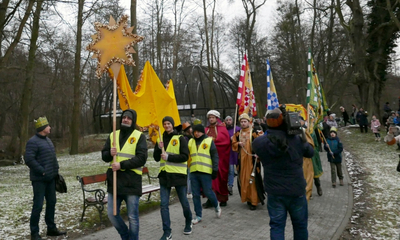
114, 136
234, 126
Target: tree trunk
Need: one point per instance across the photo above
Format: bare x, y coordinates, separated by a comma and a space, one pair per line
75, 123
208, 53
135, 56
28, 85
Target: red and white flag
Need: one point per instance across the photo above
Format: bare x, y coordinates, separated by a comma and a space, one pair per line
245, 97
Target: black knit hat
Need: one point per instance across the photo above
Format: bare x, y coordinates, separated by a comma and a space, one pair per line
169, 119
199, 128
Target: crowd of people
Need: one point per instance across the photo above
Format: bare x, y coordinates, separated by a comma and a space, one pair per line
200, 160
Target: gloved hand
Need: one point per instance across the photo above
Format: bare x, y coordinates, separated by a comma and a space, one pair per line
214, 175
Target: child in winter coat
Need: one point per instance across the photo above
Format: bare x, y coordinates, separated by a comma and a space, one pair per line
375, 127
334, 148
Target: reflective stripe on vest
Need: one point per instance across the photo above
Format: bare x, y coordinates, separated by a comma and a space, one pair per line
173, 149
201, 158
129, 148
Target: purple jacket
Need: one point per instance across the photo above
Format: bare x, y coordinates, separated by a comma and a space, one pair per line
233, 158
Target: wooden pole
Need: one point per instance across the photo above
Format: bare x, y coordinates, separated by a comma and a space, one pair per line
114, 140
234, 126
161, 140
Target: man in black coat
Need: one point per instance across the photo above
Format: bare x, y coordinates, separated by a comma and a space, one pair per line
362, 120
282, 155
40, 157
130, 151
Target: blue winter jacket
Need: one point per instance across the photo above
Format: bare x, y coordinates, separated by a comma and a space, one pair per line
336, 147
40, 157
282, 158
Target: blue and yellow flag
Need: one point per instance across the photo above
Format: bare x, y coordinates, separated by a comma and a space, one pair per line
272, 97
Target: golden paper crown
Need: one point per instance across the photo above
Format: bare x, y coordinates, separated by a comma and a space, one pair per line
40, 122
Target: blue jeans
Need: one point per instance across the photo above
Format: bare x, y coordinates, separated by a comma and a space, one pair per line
132, 205
231, 175
42, 190
278, 207
164, 194
202, 180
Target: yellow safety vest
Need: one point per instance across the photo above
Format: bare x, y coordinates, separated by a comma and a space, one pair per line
129, 149
201, 158
173, 149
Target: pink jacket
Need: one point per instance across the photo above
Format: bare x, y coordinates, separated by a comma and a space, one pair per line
375, 125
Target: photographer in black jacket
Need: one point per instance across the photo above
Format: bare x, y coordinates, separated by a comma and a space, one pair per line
282, 157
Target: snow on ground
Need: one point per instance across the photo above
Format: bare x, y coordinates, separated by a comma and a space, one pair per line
16, 195
376, 185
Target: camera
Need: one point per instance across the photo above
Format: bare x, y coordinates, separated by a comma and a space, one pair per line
292, 121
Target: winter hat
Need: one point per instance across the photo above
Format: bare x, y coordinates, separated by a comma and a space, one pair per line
127, 114
244, 116
197, 121
199, 128
169, 119
185, 126
228, 117
41, 123
333, 129
332, 115
214, 112
274, 117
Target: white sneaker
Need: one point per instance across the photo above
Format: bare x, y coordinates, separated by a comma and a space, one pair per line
218, 211
196, 220
189, 196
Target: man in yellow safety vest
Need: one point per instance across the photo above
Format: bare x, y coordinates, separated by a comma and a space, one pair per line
172, 152
131, 154
203, 169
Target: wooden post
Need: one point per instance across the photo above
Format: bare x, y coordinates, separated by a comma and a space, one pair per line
115, 68
234, 126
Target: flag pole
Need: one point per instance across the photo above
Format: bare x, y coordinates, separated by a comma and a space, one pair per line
115, 69
161, 140
308, 117
114, 136
234, 126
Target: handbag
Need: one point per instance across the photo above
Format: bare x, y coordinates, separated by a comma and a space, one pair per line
61, 186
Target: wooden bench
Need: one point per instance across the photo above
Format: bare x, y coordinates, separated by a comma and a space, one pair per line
98, 197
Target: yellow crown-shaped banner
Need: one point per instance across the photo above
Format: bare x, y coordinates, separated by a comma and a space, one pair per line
40, 122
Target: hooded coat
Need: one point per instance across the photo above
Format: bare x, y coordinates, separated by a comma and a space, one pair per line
128, 182
282, 157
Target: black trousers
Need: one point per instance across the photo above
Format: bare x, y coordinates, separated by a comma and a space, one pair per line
364, 127
42, 190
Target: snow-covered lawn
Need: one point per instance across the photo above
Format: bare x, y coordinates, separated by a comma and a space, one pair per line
376, 185
16, 195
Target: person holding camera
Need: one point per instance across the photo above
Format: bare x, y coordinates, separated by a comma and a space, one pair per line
282, 155
250, 184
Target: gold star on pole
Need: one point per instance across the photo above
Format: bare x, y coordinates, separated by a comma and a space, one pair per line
113, 45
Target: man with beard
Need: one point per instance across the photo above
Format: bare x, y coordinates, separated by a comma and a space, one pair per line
130, 150
250, 185
233, 156
217, 130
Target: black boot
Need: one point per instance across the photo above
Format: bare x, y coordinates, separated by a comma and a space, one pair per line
55, 232
35, 236
319, 190
207, 204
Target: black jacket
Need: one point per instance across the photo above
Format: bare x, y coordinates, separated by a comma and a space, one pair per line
128, 182
282, 158
40, 157
172, 179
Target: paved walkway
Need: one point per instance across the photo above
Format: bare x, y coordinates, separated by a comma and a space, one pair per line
328, 216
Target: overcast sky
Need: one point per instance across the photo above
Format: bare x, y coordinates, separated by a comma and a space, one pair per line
266, 15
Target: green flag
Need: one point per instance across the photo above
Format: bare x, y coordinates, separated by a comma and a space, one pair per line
315, 93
